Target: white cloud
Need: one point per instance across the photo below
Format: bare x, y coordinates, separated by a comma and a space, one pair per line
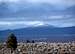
50, 17
23, 24
56, 17
52, 20
60, 16
19, 24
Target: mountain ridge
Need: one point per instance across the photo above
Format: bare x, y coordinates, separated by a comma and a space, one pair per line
43, 32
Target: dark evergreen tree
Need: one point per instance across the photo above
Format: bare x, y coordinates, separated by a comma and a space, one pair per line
27, 41
33, 41
12, 42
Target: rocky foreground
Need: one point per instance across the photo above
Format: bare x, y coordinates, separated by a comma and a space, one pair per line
40, 48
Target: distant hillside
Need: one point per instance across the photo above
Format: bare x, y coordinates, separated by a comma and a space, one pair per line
41, 32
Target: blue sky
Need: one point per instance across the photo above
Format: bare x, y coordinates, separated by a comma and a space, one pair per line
32, 13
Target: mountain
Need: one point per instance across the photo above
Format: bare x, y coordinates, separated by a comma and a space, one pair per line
52, 33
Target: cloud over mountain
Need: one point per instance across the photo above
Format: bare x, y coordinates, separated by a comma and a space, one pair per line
31, 13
